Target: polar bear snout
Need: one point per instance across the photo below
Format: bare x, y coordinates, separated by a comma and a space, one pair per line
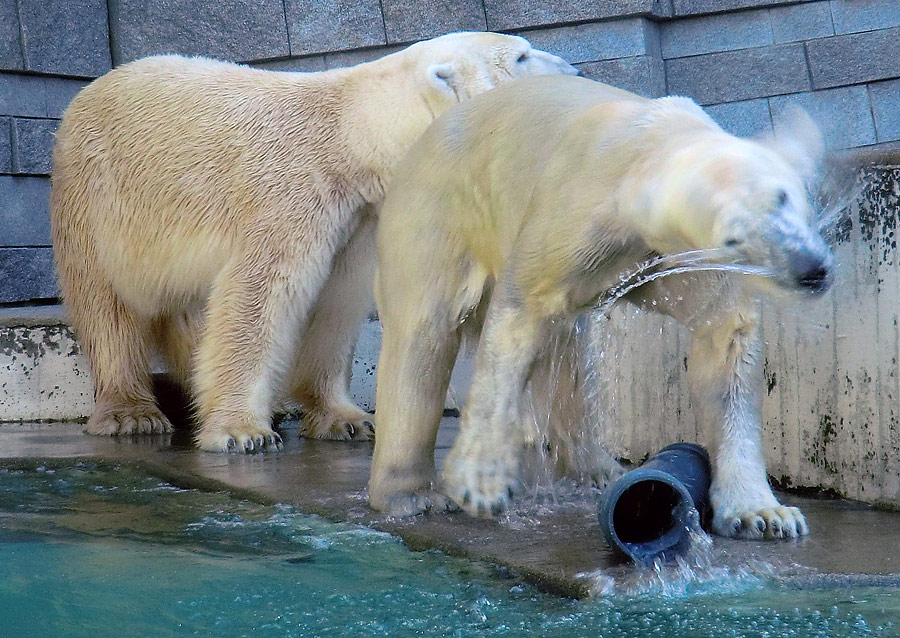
797, 255
537, 62
809, 263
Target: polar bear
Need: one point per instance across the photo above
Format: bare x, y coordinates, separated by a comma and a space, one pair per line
523, 206
225, 214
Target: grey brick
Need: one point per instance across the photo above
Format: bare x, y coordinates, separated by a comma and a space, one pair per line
316, 27
843, 115
885, 100
22, 95
598, 40
854, 58
801, 22
725, 32
33, 150
24, 212
5, 145
10, 45
520, 14
35, 96
69, 37
744, 119
352, 58
57, 93
697, 7
237, 30
306, 64
27, 274
411, 20
732, 76
639, 74
851, 16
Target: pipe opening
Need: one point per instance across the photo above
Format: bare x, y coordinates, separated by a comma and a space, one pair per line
646, 511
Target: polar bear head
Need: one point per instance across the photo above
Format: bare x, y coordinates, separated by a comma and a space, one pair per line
748, 198
460, 65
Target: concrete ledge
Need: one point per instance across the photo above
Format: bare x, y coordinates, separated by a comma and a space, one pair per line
45, 376
32, 316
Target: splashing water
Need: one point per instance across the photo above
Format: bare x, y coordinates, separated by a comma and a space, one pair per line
691, 571
675, 264
841, 187
570, 398
586, 446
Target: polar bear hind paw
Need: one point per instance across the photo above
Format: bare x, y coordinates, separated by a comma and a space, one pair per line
331, 426
405, 504
768, 523
124, 419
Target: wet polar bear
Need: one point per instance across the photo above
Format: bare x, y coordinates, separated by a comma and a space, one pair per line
224, 215
523, 206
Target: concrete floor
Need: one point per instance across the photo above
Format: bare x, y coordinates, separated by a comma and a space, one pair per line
547, 546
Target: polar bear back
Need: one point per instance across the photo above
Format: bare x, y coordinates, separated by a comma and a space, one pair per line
485, 156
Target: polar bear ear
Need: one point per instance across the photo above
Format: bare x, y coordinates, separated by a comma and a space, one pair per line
799, 141
441, 77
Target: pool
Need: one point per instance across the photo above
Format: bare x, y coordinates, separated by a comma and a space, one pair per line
100, 550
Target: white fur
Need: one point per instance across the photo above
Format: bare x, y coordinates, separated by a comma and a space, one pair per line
224, 214
523, 206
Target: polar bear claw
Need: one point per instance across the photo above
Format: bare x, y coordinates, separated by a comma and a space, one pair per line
768, 522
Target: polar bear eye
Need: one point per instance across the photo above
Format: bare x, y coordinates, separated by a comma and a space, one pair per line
732, 242
523, 57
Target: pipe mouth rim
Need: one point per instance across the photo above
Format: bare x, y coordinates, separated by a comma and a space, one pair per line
644, 551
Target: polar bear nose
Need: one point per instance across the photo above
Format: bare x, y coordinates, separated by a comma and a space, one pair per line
816, 280
811, 270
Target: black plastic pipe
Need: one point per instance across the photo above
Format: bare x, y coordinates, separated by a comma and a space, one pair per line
647, 512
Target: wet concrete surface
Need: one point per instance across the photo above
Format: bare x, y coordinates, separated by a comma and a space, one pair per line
546, 545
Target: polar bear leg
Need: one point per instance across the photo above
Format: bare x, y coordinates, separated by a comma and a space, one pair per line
116, 340
119, 352
178, 336
725, 371
417, 356
321, 375
725, 375
256, 308
482, 472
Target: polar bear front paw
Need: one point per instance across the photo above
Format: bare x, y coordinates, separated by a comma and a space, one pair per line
337, 426
481, 488
768, 522
241, 437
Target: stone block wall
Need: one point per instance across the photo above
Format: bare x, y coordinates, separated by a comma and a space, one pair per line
745, 60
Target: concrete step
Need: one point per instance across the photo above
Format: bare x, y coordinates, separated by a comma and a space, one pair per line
44, 375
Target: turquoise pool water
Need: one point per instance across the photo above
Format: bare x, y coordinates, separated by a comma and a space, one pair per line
99, 551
